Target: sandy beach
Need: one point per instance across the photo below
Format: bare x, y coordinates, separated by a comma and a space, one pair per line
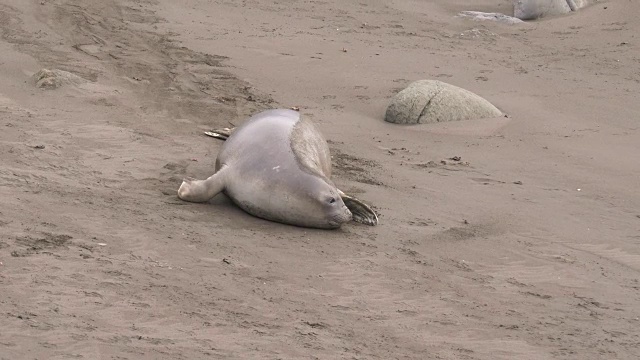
527, 247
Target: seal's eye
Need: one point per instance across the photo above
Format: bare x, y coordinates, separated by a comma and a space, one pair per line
332, 200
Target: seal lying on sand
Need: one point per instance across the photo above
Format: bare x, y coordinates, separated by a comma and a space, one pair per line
277, 166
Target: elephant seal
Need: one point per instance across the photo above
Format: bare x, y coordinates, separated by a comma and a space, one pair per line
277, 166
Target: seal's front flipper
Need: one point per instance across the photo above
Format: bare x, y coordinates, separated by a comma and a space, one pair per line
221, 134
202, 190
361, 212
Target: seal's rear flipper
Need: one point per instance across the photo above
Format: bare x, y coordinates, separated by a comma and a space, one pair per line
361, 212
203, 190
221, 134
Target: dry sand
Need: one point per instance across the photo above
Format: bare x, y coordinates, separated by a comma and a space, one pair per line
527, 248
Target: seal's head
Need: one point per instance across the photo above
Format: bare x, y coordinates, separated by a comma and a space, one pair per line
335, 211
321, 207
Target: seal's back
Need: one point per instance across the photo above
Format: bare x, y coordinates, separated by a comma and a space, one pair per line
275, 135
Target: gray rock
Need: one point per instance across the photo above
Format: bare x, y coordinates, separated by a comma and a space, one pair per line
483, 16
575, 5
53, 79
534, 9
430, 101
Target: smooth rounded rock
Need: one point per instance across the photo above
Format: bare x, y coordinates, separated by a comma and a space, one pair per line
430, 101
534, 9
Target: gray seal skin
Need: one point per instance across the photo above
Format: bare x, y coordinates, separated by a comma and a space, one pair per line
277, 166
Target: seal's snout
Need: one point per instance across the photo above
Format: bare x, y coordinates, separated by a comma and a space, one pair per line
342, 217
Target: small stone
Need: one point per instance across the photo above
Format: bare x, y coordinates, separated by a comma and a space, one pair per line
53, 79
